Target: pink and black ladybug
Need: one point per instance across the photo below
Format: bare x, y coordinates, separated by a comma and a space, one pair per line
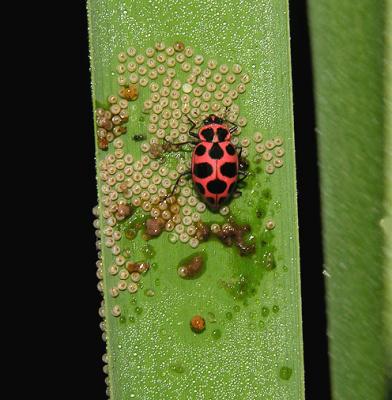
216, 168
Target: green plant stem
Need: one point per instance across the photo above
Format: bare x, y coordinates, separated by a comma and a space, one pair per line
349, 43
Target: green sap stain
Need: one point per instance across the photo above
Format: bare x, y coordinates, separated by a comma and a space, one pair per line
265, 312
236, 308
268, 249
127, 252
141, 118
157, 282
252, 325
122, 319
134, 223
148, 251
285, 373
252, 315
133, 300
275, 309
229, 316
237, 286
285, 268
177, 368
130, 234
269, 261
261, 324
266, 193
216, 334
244, 284
149, 292
260, 212
138, 310
211, 317
132, 319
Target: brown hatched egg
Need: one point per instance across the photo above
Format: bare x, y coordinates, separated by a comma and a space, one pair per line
130, 93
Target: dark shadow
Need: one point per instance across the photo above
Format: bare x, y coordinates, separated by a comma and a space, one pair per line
317, 380
89, 362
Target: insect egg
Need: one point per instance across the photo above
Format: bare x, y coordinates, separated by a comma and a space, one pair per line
278, 163
180, 57
179, 46
198, 324
131, 51
116, 311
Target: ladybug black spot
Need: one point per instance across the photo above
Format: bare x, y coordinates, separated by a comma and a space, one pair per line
202, 170
200, 150
222, 134
207, 134
216, 152
230, 149
216, 186
200, 188
229, 169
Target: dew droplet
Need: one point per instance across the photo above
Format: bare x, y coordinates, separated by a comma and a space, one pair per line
265, 312
211, 317
216, 334
285, 373
149, 292
177, 368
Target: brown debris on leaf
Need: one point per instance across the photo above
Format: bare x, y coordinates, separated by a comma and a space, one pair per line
137, 266
233, 234
154, 226
202, 231
192, 267
130, 93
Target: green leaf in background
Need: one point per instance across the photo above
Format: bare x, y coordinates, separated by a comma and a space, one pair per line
352, 80
251, 346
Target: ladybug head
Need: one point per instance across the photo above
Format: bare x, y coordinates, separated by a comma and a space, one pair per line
212, 119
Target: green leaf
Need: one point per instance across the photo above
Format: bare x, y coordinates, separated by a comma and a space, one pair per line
252, 343
353, 94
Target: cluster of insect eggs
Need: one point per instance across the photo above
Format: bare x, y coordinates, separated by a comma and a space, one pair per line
207, 88
111, 121
146, 183
271, 152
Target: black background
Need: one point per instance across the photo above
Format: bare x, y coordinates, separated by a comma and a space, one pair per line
86, 343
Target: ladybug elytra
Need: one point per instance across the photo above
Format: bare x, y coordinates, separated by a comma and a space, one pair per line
215, 166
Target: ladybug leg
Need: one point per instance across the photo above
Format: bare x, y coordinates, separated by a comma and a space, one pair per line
234, 126
193, 124
180, 143
186, 174
244, 174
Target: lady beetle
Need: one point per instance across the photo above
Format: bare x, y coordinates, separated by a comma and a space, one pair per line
216, 168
